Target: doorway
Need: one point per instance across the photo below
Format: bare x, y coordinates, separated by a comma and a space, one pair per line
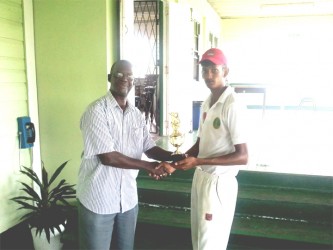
147, 46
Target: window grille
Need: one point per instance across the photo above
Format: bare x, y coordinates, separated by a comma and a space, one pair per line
146, 43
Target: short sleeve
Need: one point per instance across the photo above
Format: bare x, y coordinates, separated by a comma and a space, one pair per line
236, 122
95, 132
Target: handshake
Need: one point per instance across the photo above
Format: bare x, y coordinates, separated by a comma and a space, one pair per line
164, 168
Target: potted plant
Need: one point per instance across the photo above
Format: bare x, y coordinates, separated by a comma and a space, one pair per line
48, 207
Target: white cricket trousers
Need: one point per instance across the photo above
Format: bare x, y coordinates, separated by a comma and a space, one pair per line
213, 202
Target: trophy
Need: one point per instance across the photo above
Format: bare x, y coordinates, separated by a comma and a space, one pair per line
176, 138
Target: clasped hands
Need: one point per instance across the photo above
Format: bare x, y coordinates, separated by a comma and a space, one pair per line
163, 169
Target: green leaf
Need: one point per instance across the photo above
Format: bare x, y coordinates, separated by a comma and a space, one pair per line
30, 191
22, 198
25, 205
50, 208
57, 172
47, 232
45, 177
32, 175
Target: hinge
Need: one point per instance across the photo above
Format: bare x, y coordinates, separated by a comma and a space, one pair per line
166, 69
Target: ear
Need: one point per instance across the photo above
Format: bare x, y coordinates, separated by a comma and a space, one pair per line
226, 71
109, 77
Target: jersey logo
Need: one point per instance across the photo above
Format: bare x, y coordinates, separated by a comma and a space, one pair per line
208, 217
216, 123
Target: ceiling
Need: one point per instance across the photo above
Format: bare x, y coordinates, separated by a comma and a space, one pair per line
268, 8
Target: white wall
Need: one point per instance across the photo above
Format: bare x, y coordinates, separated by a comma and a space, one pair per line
293, 57
180, 89
179, 63
291, 52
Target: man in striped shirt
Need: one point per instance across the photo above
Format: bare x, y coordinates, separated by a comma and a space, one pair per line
114, 136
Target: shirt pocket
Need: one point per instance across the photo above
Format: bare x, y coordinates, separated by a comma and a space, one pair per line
136, 139
137, 132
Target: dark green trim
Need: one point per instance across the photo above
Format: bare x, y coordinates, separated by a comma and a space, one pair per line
116, 28
271, 205
161, 68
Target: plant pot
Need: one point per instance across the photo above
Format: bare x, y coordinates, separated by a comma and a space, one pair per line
40, 241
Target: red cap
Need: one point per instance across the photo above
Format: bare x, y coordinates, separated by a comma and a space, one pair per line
215, 56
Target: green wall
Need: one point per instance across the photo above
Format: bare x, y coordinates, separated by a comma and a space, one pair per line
71, 42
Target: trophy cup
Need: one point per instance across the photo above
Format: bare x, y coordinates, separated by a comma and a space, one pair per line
176, 138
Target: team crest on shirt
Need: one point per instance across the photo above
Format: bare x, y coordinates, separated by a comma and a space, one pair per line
216, 123
208, 216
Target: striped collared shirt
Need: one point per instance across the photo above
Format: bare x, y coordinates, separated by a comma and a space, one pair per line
105, 128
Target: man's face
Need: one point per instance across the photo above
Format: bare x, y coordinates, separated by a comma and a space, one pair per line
213, 75
121, 79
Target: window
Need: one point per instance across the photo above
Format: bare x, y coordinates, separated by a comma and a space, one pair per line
213, 40
289, 131
196, 35
293, 59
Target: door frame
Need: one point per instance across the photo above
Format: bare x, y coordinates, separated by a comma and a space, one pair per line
29, 47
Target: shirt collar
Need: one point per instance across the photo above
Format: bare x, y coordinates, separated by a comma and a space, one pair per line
224, 95
221, 99
113, 102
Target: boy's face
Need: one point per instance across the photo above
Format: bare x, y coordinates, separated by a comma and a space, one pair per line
214, 75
